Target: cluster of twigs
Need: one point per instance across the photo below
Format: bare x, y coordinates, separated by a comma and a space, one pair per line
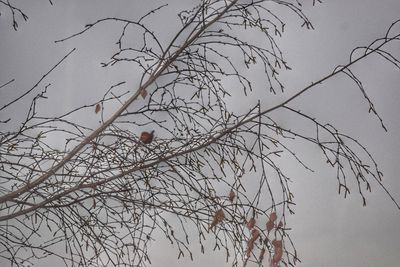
103, 197
15, 12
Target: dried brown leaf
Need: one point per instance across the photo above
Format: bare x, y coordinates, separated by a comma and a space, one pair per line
255, 234
218, 217
270, 225
261, 256
98, 108
273, 217
250, 246
251, 223
231, 196
277, 255
143, 93
277, 243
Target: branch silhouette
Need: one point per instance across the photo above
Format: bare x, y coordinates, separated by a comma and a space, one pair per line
174, 158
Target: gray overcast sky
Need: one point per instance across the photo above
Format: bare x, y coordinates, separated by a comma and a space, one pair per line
328, 230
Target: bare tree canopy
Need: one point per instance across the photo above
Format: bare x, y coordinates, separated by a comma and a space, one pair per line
174, 157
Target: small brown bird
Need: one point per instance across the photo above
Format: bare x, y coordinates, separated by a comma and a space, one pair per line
146, 137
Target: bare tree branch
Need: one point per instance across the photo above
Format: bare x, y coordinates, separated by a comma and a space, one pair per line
182, 161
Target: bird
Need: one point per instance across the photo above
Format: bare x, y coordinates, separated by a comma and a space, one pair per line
146, 137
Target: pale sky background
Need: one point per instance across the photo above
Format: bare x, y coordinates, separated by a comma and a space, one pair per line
327, 229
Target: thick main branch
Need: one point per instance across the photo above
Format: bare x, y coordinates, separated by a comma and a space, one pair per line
159, 70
